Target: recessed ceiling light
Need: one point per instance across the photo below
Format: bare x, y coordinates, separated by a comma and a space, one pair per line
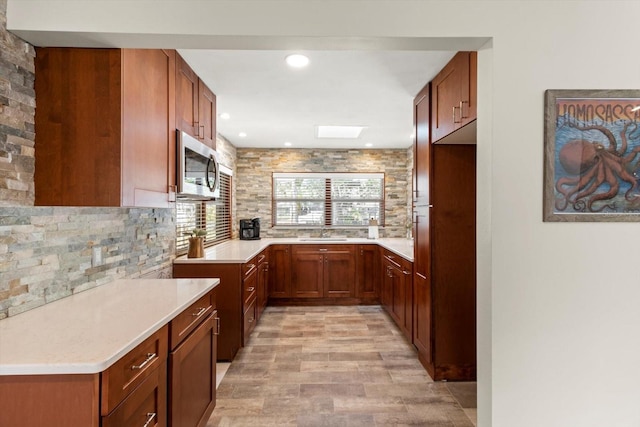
368, 144
297, 61
287, 144
339, 132
225, 116
242, 135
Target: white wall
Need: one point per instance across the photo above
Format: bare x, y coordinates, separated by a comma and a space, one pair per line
559, 329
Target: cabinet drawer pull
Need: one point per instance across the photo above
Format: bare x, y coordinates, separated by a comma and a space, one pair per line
200, 311
250, 268
454, 115
251, 289
323, 250
217, 332
150, 417
462, 116
406, 272
150, 357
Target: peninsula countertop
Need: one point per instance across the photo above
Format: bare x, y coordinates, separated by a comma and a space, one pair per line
241, 251
87, 332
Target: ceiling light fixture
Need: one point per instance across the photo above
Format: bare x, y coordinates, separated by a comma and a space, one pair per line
339, 132
368, 144
225, 116
297, 60
287, 144
242, 135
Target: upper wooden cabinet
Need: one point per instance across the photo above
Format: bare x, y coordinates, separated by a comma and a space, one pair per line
454, 99
195, 105
105, 127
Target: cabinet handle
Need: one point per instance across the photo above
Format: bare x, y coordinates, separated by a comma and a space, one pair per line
150, 357
406, 272
150, 417
201, 127
454, 115
200, 311
251, 289
217, 332
322, 250
462, 116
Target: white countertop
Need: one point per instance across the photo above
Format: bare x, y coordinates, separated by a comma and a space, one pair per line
241, 251
87, 332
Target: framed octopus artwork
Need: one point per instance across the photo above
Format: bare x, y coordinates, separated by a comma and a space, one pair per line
592, 155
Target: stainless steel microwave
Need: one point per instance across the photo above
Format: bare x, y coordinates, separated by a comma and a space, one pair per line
198, 169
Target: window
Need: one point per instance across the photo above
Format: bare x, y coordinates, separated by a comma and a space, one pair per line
213, 216
333, 199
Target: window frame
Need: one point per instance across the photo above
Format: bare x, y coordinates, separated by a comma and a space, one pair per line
327, 201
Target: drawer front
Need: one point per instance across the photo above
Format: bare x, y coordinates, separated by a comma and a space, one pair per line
249, 286
249, 320
249, 267
146, 406
189, 319
130, 371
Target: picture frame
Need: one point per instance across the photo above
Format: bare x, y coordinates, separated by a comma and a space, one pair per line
591, 155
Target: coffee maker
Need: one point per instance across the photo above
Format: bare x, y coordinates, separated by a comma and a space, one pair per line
250, 229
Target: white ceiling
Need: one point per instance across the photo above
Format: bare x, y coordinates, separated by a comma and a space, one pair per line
275, 104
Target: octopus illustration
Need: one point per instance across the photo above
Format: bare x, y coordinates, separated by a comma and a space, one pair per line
595, 171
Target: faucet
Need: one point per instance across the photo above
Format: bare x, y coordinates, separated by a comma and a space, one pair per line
324, 232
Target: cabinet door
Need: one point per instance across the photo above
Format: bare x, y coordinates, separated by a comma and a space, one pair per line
339, 273
307, 277
148, 129
397, 296
451, 101
387, 286
280, 272
207, 115
192, 373
422, 318
187, 101
421, 147
368, 277
263, 284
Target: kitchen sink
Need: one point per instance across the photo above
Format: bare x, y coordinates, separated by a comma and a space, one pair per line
323, 239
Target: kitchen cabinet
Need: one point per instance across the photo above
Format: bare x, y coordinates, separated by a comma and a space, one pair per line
280, 272
126, 373
262, 296
192, 364
421, 223
444, 281
236, 297
454, 99
105, 127
368, 277
323, 271
195, 105
398, 291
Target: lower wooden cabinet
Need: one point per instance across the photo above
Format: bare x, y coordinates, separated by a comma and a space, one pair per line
167, 380
192, 376
397, 291
280, 271
368, 275
323, 271
237, 291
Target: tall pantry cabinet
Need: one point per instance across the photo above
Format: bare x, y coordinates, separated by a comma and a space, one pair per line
444, 199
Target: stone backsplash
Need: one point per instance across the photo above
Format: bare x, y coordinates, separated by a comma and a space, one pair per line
17, 117
47, 253
254, 186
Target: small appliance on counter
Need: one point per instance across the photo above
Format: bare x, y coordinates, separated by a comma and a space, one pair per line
250, 229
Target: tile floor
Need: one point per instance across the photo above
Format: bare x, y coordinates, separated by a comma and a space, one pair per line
335, 366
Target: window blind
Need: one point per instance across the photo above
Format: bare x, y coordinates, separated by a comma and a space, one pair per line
331, 199
212, 216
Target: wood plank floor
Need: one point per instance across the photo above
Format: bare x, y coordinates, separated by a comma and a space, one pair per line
333, 366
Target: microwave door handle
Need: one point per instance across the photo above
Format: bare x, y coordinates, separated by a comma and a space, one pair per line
212, 161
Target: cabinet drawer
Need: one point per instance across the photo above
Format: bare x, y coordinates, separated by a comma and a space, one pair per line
249, 286
144, 407
249, 267
130, 371
189, 319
